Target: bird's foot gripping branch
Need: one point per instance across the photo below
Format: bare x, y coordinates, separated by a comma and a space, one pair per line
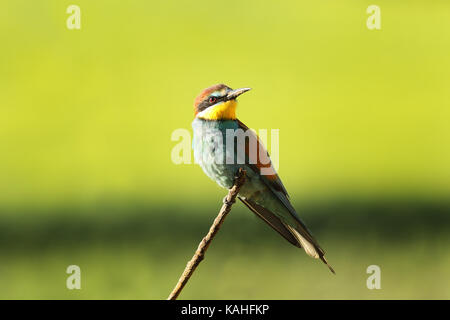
206, 241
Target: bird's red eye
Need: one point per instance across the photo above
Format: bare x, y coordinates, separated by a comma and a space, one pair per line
212, 99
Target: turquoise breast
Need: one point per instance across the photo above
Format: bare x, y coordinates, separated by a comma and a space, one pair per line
211, 151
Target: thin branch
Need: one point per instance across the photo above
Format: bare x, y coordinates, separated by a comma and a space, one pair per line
206, 241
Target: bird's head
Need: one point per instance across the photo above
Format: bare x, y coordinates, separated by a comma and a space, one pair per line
217, 103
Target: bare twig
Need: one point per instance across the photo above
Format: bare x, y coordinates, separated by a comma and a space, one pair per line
206, 241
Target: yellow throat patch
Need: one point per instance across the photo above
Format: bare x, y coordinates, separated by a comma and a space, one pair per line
221, 111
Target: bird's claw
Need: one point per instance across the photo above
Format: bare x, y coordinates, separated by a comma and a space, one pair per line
225, 201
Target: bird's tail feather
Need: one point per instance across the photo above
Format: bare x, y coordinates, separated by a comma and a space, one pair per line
309, 244
298, 236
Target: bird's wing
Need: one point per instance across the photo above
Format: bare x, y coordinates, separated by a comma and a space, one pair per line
263, 162
298, 234
272, 220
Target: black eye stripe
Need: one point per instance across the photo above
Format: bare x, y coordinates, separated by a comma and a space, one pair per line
206, 103
216, 99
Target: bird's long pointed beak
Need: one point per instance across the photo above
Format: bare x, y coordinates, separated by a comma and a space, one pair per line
236, 93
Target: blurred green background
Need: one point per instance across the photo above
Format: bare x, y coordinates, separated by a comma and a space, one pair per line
86, 118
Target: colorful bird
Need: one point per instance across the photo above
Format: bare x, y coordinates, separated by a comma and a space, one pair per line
222, 144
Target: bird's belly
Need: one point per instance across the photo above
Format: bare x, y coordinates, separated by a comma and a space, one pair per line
209, 153
216, 157
219, 163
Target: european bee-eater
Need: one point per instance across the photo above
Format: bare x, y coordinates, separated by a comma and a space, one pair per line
220, 151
